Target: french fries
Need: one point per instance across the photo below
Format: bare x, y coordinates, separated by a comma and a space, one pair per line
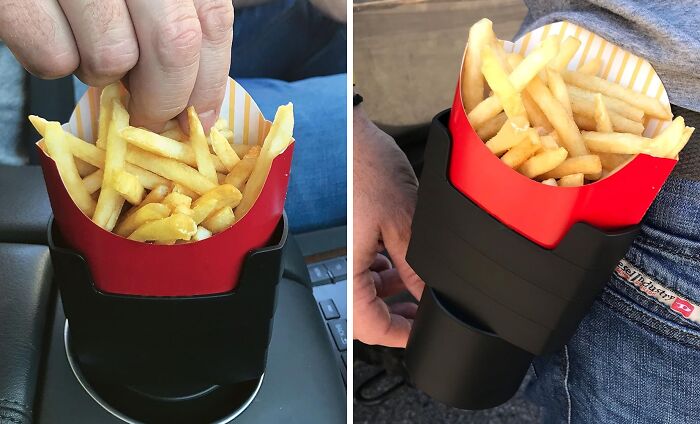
179, 187
560, 125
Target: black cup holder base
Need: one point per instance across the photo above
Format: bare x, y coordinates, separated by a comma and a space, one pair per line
493, 299
166, 404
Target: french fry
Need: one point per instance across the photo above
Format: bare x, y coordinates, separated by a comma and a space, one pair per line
96, 156
141, 215
558, 88
175, 200
128, 186
602, 119
592, 67
220, 220
179, 188
174, 134
221, 124
550, 182
167, 147
241, 149
170, 169
623, 143
222, 196
649, 105
687, 133
205, 165
223, 149
569, 135
480, 34
84, 168
522, 151
109, 94
567, 50
587, 164
497, 79
534, 113
619, 123
610, 161
521, 76
93, 182
543, 162
510, 135
491, 127
175, 227
549, 142
241, 172
573, 180
664, 143
110, 201
278, 138
583, 101
59, 151
201, 234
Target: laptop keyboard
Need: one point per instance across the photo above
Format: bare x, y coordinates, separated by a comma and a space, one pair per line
329, 281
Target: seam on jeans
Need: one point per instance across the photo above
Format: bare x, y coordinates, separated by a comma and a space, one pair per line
566, 385
613, 300
643, 240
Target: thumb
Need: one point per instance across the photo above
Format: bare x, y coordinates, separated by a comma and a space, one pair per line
396, 239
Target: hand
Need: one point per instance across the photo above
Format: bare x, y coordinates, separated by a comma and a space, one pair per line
384, 200
170, 53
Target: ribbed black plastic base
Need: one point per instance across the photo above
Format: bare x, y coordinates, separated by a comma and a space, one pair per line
488, 277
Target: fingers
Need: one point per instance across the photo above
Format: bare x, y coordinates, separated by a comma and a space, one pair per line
380, 263
169, 38
216, 21
375, 324
39, 35
405, 309
105, 39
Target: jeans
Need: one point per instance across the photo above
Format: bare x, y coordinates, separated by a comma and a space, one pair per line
636, 356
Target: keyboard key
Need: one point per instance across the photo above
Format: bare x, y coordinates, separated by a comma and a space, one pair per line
344, 355
319, 274
328, 308
338, 268
338, 329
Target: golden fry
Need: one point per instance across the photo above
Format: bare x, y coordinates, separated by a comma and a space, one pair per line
583, 101
59, 151
140, 216
223, 149
617, 143
558, 88
174, 227
567, 50
109, 94
543, 162
574, 180
649, 105
205, 165
220, 220
497, 79
480, 35
510, 135
550, 182
587, 164
110, 201
602, 119
201, 234
241, 172
170, 169
569, 135
522, 151
128, 186
222, 196
491, 127
592, 67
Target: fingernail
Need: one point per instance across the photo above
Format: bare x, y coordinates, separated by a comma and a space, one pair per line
208, 119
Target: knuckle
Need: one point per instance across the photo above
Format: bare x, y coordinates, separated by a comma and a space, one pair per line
54, 65
179, 37
111, 61
216, 18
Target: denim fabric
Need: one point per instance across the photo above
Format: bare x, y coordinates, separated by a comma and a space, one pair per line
633, 359
317, 196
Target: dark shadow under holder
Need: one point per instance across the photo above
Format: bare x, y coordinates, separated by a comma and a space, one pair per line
175, 353
493, 298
